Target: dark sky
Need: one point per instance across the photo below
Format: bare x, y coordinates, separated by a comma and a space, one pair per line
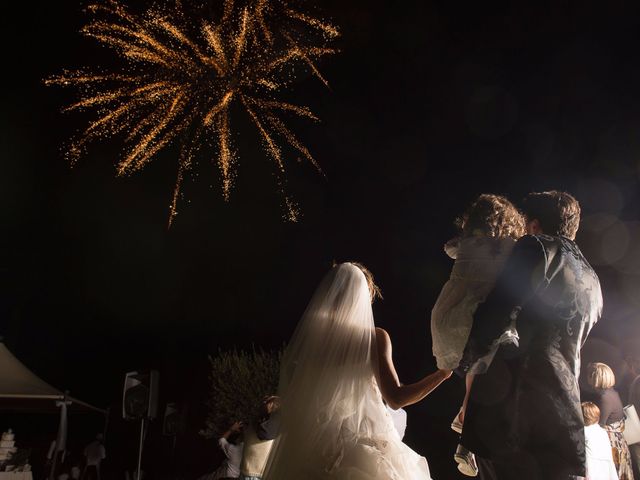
431, 103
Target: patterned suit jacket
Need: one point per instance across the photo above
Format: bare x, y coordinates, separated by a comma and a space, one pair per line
527, 405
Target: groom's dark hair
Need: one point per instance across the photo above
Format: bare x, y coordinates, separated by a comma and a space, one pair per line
557, 212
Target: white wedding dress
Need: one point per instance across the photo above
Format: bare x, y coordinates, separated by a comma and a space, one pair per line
334, 424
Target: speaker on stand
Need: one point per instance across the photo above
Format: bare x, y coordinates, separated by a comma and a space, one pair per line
140, 402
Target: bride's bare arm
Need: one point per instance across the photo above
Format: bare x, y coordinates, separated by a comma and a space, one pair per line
395, 393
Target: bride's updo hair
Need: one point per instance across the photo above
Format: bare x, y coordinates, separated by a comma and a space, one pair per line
374, 290
492, 216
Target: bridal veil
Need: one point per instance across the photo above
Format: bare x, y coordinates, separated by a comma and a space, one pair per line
334, 424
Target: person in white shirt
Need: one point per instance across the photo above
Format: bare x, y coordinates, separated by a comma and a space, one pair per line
230, 467
232, 450
633, 362
74, 473
600, 464
94, 454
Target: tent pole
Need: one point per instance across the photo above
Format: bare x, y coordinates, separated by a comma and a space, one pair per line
61, 437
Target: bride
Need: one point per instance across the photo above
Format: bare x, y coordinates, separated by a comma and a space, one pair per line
336, 375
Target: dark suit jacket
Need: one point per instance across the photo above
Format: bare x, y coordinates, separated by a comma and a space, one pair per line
527, 405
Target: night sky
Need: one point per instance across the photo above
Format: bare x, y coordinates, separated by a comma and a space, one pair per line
431, 104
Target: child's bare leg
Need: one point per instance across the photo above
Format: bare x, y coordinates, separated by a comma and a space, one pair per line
468, 380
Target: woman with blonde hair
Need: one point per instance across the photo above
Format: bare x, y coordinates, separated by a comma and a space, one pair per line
601, 379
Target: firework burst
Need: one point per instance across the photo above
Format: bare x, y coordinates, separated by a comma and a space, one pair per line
178, 83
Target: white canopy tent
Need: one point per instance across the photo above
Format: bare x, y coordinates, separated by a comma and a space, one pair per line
21, 390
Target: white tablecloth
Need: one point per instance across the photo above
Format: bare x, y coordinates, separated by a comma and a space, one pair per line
16, 476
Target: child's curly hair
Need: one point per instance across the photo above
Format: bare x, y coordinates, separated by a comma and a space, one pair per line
492, 216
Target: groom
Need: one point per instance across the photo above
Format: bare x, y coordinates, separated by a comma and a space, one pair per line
524, 414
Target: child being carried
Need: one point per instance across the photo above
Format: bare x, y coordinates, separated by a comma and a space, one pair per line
488, 231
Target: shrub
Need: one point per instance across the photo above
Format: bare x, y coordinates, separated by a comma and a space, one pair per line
238, 381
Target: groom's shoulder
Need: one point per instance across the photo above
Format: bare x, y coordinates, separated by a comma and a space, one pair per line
531, 242
528, 250
528, 239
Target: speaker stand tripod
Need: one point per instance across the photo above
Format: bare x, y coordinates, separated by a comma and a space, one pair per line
142, 432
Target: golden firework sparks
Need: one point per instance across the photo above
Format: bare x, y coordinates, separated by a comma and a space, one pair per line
179, 82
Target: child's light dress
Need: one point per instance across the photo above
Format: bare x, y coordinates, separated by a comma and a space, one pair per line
478, 261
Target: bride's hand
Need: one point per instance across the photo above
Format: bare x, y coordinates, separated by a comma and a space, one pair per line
393, 391
446, 373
